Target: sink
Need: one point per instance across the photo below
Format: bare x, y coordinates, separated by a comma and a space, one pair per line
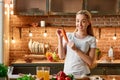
24, 70
14, 72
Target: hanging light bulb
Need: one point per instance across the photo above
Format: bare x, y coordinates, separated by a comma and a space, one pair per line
11, 7
46, 45
11, 12
45, 33
6, 8
6, 5
6, 41
113, 78
5, 12
30, 34
13, 41
115, 36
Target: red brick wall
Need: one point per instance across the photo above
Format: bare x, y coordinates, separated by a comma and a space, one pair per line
107, 25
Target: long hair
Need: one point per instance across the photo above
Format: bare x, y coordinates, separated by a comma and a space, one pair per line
88, 16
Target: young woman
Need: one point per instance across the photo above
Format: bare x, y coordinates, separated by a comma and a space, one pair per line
79, 51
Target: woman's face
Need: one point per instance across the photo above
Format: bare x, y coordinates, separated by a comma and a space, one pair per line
81, 22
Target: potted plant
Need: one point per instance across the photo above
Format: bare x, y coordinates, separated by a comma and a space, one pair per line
3, 72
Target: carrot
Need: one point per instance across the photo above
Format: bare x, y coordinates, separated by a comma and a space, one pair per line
64, 35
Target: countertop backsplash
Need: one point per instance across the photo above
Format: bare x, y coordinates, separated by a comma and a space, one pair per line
104, 29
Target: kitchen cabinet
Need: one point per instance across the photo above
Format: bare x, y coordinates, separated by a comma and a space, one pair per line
100, 69
27, 68
47, 7
66, 7
62, 7
30, 7
106, 69
102, 7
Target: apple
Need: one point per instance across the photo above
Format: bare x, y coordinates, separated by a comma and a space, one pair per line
50, 58
55, 56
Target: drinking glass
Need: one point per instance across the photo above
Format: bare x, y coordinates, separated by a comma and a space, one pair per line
39, 72
46, 73
43, 73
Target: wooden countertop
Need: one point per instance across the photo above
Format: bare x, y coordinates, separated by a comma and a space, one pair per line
107, 62
110, 77
105, 77
36, 61
62, 61
92, 77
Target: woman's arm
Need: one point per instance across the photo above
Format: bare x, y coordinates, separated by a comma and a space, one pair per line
61, 45
89, 59
61, 49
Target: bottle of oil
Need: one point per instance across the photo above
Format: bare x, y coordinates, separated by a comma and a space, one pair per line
111, 53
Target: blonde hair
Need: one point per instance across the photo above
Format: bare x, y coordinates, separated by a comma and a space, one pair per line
88, 16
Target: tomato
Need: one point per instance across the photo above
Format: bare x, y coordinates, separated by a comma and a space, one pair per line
62, 74
50, 58
67, 78
60, 78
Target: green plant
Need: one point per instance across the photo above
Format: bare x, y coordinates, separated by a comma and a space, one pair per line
26, 77
3, 70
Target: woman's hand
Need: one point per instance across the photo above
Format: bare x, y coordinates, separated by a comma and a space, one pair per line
59, 33
72, 45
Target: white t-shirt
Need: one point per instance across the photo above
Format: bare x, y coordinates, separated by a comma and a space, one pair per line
73, 63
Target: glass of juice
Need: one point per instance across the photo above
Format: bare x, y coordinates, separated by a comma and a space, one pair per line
39, 72
46, 73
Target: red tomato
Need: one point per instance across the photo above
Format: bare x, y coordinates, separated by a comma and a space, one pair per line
50, 58
67, 78
60, 78
62, 74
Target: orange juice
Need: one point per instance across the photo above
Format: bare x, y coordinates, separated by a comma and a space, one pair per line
43, 72
40, 73
46, 75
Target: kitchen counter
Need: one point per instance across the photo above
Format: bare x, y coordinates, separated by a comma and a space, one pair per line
114, 63
106, 77
21, 61
35, 62
62, 61
117, 61
21, 66
102, 67
92, 77
106, 68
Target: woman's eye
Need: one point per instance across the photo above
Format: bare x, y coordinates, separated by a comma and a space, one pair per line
81, 21
84, 21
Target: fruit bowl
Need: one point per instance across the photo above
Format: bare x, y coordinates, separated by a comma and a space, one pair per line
52, 56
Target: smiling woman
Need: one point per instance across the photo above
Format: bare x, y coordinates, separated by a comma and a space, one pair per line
79, 50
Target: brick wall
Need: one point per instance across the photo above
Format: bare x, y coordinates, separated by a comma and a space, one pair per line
104, 28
